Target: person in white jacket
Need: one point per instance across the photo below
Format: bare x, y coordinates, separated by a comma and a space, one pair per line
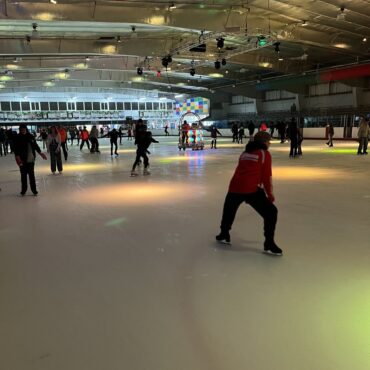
363, 136
53, 146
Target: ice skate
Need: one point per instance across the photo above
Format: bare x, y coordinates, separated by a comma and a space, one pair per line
224, 237
272, 248
134, 174
146, 172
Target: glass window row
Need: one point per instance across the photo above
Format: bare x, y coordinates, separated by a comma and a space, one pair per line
26, 106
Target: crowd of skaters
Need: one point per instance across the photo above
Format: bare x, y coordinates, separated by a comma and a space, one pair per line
55, 140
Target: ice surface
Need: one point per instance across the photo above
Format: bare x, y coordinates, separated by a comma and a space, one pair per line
102, 271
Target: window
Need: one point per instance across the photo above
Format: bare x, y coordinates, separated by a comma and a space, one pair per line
112, 106
26, 106
88, 105
16, 106
155, 106
134, 106
149, 106
141, 106
5, 106
44, 105
71, 106
62, 106
95, 105
128, 106
119, 106
162, 106
169, 106
104, 106
80, 105
53, 105
35, 106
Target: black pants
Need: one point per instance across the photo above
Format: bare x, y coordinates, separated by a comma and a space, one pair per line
141, 153
28, 169
94, 145
235, 137
113, 142
214, 143
83, 142
293, 147
65, 150
282, 137
240, 139
55, 159
257, 201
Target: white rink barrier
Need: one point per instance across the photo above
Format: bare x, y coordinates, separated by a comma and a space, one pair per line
308, 133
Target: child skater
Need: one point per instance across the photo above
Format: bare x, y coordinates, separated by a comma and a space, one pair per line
252, 184
143, 142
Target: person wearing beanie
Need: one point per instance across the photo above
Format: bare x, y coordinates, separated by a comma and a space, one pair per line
25, 148
252, 184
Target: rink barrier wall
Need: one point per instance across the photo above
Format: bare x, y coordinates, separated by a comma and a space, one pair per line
308, 133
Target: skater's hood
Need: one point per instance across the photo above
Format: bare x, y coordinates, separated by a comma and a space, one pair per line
255, 145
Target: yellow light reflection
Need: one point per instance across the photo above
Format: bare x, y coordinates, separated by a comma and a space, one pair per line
76, 167
157, 20
306, 173
136, 193
109, 49
184, 158
45, 16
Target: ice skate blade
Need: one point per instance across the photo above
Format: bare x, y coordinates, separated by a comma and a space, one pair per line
223, 242
272, 254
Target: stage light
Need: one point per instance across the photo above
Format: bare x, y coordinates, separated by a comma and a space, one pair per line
277, 47
192, 72
220, 43
223, 62
217, 64
164, 62
139, 71
261, 41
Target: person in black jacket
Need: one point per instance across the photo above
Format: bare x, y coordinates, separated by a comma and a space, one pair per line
143, 142
214, 133
293, 136
25, 148
113, 141
251, 128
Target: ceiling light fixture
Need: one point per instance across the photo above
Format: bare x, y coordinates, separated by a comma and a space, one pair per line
364, 39
119, 39
304, 23
87, 59
53, 2
220, 42
341, 15
172, 6
261, 40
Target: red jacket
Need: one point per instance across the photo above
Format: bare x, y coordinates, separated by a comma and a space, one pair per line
253, 171
63, 135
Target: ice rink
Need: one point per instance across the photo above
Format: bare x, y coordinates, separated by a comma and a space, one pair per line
102, 271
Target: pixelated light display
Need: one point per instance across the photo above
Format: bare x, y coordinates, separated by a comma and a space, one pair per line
197, 105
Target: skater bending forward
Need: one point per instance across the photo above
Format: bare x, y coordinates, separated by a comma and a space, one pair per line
143, 142
252, 184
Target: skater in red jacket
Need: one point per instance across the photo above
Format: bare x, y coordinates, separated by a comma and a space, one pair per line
252, 184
